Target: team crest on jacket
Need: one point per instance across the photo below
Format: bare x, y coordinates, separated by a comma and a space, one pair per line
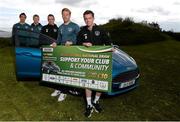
26, 27
55, 30
97, 33
70, 29
46, 30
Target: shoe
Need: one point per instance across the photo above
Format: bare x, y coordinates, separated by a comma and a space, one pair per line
97, 107
74, 92
56, 93
62, 97
89, 111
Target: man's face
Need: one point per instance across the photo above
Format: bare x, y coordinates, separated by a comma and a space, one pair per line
22, 18
89, 19
51, 20
66, 16
36, 20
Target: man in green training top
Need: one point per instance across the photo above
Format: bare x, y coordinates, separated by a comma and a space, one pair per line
67, 34
68, 31
19, 29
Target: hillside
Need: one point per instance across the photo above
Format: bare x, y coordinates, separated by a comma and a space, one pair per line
127, 32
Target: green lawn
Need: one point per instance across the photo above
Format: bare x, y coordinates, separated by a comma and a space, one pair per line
156, 98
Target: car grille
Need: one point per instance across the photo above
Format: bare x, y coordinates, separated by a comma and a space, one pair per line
123, 77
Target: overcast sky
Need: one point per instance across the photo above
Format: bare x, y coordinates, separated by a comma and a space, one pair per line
165, 12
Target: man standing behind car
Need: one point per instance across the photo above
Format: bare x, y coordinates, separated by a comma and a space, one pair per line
36, 29
36, 26
19, 29
90, 35
67, 34
50, 30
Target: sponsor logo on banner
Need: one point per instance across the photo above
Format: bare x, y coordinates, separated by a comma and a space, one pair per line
78, 68
47, 49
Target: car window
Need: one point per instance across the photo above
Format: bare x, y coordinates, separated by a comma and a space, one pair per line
28, 38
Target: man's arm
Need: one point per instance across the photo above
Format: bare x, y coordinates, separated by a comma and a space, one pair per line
77, 29
59, 38
13, 36
79, 38
41, 36
106, 38
57, 33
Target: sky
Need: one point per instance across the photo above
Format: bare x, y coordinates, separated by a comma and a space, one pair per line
165, 12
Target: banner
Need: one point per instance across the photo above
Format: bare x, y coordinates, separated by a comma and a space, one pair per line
78, 66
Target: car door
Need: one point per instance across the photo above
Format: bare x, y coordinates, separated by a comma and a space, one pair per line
28, 54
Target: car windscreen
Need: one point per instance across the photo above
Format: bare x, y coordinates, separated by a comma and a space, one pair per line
28, 38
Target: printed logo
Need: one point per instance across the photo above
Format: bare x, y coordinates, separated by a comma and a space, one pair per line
85, 36
97, 33
47, 49
26, 27
55, 30
70, 29
46, 30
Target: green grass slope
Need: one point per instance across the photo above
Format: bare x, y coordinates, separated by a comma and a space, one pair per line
156, 98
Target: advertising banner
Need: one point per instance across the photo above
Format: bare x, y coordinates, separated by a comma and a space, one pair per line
78, 66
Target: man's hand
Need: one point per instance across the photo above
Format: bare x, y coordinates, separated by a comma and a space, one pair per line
68, 43
87, 44
53, 44
113, 49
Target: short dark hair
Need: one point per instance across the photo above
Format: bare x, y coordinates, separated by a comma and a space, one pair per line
66, 9
51, 15
35, 15
88, 12
22, 14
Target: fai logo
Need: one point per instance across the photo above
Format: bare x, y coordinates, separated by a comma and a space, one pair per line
70, 29
97, 33
39, 28
26, 27
55, 30
47, 30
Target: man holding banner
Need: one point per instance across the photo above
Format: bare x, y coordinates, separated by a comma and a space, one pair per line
67, 34
90, 35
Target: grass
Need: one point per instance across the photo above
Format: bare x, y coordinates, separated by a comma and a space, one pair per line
156, 98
